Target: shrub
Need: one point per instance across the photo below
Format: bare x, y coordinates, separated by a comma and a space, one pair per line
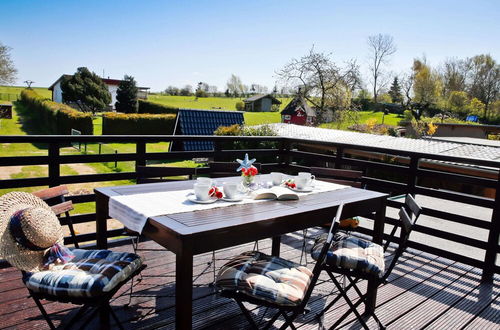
137, 124
155, 108
240, 106
56, 118
237, 130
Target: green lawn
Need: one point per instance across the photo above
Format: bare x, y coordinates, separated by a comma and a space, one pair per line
209, 103
10, 93
219, 103
363, 116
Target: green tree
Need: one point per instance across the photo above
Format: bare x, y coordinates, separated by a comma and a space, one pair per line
7, 70
426, 85
126, 96
395, 91
485, 80
86, 90
477, 107
458, 103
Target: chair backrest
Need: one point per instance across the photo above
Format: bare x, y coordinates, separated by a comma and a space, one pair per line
407, 223
221, 169
152, 174
322, 256
54, 197
336, 175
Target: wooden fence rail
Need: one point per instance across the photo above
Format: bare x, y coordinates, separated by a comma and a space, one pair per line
464, 180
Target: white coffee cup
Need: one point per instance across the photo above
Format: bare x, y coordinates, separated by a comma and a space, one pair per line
230, 189
204, 180
277, 178
201, 191
304, 180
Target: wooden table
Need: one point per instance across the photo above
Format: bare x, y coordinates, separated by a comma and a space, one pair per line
190, 233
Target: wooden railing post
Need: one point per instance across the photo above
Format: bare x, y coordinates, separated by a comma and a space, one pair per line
412, 175
54, 164
140, 149
284, 154
338, 157
490, 256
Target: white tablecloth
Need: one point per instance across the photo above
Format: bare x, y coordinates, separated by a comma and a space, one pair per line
134, 210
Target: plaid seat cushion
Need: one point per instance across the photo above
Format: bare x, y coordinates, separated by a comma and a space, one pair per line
90, 273
264, 277
352, 253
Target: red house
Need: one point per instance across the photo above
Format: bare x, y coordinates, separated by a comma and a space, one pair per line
298, 112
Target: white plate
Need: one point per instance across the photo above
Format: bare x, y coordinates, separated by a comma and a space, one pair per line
237, 199
192, 198
307, 189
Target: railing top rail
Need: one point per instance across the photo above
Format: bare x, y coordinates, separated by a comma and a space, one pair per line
165, 138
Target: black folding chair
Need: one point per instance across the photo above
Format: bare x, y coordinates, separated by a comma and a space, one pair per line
228, 284
355, 275
55, 198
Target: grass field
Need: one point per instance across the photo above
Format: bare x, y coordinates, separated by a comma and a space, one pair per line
363, 117
209, 103
219, 103
11, 93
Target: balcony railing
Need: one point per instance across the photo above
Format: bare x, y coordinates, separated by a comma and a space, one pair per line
467, 181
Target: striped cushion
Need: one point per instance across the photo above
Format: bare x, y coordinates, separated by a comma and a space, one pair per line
91, 273
264, 277
353, 253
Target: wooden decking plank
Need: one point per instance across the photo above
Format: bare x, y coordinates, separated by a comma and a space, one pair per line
404, 304
489, 317
438, 303
467, 308
396, 289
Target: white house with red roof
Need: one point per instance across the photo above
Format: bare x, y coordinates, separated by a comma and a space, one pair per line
112, 88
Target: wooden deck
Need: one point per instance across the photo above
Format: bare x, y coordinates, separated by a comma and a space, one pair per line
425, 291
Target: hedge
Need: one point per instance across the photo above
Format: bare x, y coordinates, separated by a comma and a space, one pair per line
56, 118
155, 108
137, 124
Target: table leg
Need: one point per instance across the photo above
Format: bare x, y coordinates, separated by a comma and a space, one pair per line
102, 215
275, 248
378, 234
184, 289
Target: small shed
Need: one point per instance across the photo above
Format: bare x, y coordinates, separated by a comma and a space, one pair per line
5, 110
260, 103
298, 112
201, 122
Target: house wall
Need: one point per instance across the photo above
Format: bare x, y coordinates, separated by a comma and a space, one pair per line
265, 104
57, 93
112, 90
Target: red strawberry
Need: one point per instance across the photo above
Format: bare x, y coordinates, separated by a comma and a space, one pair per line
212, 191
218, 194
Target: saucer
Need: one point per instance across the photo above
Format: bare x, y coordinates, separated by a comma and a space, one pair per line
306, 189
192, 198
237, 199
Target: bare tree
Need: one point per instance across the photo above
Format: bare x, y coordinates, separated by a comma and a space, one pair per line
381, 48
484, 80
7, 70
454, 73
235, 86
407, 86
323, 83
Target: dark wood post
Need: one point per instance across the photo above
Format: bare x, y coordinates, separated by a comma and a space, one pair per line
490, 256
284, 154
338, 157
140, 149
412, 175
54, 168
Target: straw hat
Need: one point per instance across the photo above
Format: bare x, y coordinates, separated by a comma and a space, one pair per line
28, 229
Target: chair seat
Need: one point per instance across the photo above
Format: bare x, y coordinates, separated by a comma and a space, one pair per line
263, 277
91, 273
353, 253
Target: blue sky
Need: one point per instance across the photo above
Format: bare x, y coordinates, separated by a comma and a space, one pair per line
165, 43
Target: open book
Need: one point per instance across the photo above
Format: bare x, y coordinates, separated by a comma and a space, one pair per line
279, 193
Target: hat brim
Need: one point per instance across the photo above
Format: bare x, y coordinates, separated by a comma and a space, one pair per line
14, 253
